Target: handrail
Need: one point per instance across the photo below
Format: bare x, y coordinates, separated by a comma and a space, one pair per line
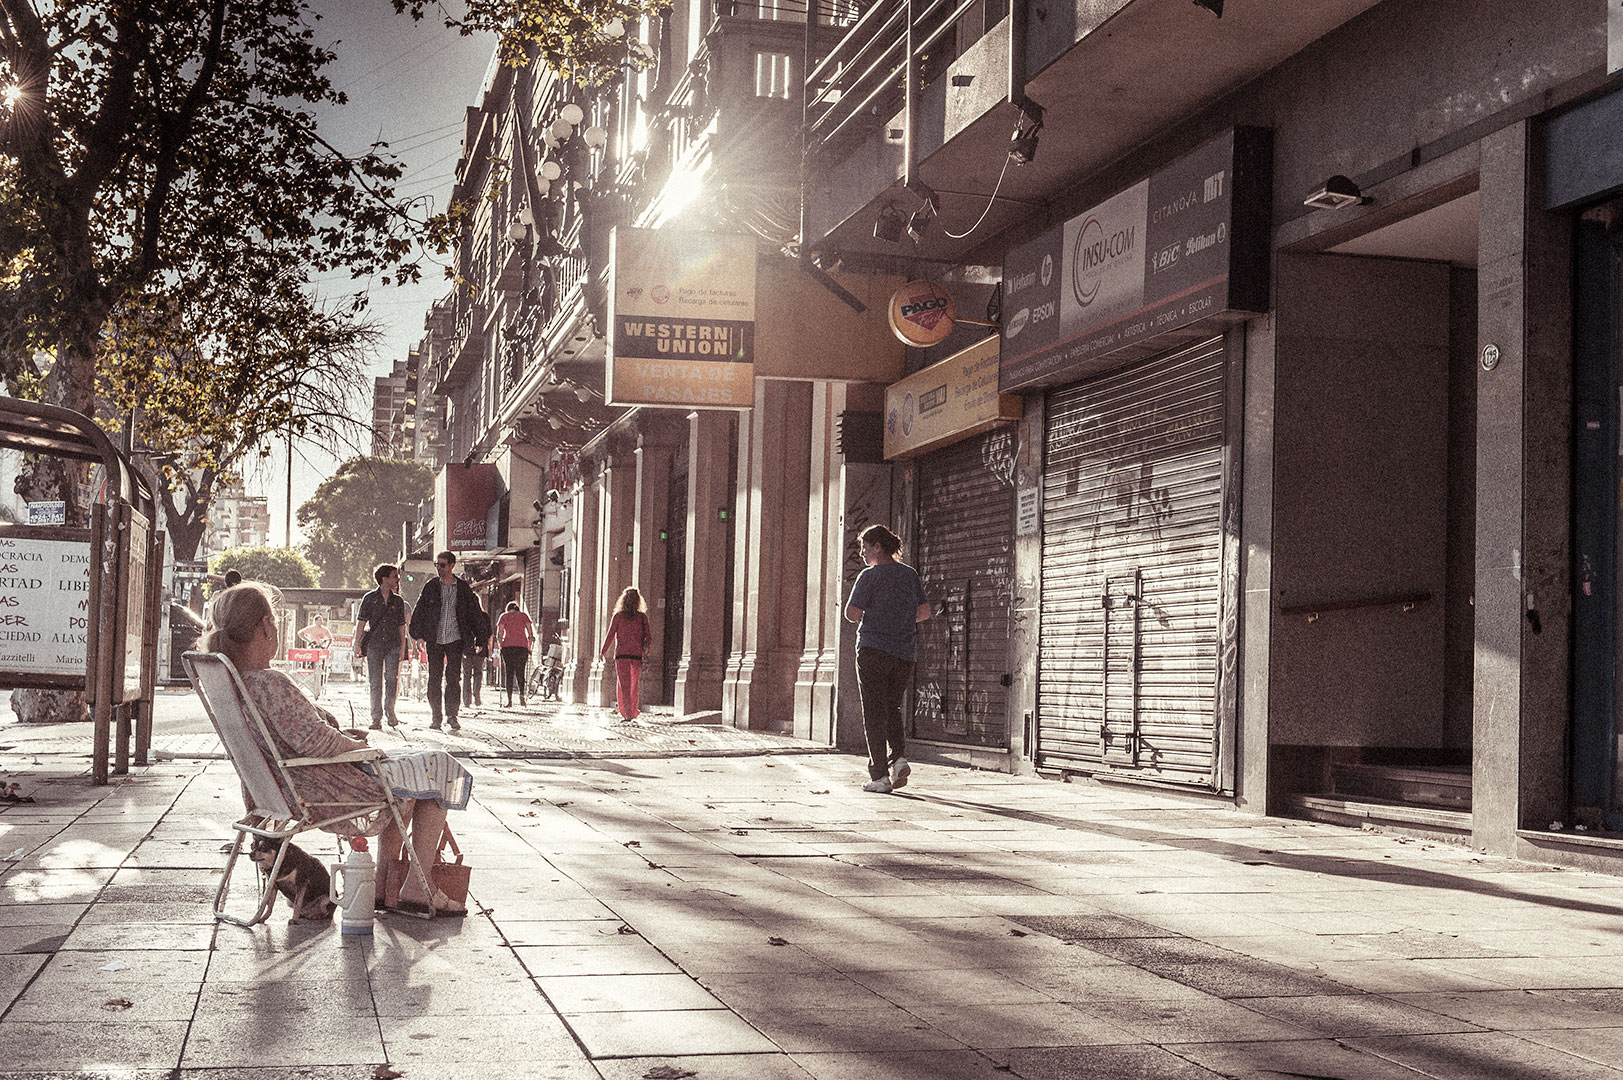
1407, 601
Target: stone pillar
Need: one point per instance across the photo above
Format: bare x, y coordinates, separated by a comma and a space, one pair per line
698, 677
769, 592
819, 671
1521, 701
648, 523
616, 512
581, 642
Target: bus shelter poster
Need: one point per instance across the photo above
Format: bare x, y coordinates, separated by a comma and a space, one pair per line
681, 319
44, 605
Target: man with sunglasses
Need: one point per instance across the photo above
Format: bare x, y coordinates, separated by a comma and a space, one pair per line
447, 620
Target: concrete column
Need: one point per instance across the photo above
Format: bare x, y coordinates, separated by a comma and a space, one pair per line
648, 522
1256, 567
582, 641
818, 676
1521, 701
698, 677
1026, 605
617, 507
769, 613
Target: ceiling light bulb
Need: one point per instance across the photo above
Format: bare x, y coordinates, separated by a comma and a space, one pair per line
582, 394
572, 112
562, 128
614, 28
596, 137
554, 423
551, 170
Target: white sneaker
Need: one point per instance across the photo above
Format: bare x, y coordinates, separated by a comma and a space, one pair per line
880, 786
899, 773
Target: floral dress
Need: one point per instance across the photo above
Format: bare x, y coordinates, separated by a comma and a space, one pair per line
301, 728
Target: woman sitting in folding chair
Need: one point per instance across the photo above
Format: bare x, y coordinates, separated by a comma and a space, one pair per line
243, 627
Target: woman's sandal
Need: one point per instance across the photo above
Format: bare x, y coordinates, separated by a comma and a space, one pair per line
444, 906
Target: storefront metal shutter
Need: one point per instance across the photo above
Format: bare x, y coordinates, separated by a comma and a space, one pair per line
1131, 564
965, 556
531, 602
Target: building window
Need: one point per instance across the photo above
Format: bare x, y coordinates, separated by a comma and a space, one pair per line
772, 75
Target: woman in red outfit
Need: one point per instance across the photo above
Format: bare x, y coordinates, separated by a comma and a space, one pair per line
629, 634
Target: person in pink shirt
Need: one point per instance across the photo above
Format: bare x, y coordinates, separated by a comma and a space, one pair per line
630, 634
515, 635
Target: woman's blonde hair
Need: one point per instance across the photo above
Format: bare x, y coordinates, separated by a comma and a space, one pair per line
235, 615
630, 602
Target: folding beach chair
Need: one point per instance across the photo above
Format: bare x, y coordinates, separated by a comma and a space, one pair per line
275, 810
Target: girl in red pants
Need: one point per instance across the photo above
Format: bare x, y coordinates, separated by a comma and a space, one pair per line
629, 634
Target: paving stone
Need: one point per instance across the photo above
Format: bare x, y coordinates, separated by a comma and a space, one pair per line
1484, 1056
903, 1065
1181, 1020
131, 1001
673, 1033
92, 1045
1005, 1026
630, 956
1103, 1063
626, 993
475, 1040
1274, 1060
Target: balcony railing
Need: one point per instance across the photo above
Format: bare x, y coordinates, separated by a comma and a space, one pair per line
861, 83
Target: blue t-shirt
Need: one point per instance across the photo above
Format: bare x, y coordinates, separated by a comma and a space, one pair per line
889, 595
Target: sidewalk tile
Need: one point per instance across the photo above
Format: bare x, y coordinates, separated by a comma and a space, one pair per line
1273, 1060
626, 993
1483, 1056
1518, 1010
762, 1066
1182, 1020
475, 1040
630, 956
139, 936
666, 1034
114, 1002
449, 995
58, 1047
319, 1038
1103, 1063
1004, 1026
285, 999
902, 1065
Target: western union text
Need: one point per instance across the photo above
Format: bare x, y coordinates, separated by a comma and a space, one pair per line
679, 340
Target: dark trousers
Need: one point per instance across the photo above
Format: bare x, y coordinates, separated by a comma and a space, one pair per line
882, 679
445, 675
515, 658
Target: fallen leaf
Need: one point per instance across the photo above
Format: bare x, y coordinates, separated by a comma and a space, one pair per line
117, 1004
741, 832
776, 941
633, 843
383, 1072
667, 1072
1017, 933
624, 929
823, 792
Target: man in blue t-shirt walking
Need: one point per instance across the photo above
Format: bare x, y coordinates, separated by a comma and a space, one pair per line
887, 604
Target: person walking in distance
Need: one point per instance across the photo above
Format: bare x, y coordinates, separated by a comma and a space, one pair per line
447, 620
473, 658
887, 603
515, 635
382, 629
629, 634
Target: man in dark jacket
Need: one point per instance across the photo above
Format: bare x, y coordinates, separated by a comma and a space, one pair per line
446, 620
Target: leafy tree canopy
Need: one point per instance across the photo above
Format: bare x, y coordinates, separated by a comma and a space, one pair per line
282, 567
353, 520
590, 42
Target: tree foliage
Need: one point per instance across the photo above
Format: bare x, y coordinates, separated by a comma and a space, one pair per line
282, 567
159, 161
589, 42
353, 520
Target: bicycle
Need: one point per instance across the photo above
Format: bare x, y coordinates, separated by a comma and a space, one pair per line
547, 676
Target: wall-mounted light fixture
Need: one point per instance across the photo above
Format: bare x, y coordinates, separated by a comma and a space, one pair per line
1338, 193
929, 207
1023, 143
888, 226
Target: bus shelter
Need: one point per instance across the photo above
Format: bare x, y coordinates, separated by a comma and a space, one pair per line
79, 605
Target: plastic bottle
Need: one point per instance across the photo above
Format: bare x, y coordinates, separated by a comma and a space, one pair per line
360, 877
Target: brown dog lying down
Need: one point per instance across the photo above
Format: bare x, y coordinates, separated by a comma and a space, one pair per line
303, 880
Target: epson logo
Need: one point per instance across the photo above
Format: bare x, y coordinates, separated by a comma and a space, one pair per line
1044, 311
1017, 324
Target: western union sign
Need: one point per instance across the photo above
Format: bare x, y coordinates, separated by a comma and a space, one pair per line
682, 319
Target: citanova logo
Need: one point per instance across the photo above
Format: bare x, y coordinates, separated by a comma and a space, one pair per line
1095, 253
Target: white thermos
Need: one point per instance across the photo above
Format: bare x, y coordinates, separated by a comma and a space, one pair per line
359, 875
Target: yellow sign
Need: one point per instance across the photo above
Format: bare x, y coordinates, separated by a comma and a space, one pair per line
946, 402
681, 319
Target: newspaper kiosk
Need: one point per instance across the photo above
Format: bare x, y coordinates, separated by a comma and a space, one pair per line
79, 606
